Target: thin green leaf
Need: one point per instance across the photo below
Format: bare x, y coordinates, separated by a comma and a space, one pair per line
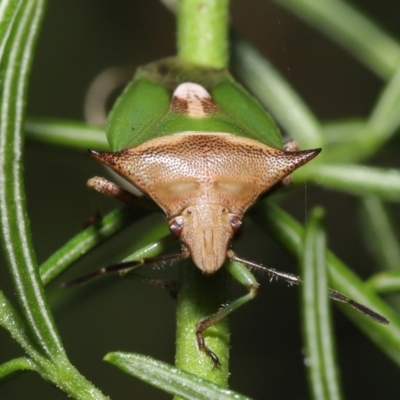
349, 141
352, 30
11, 320
8, 11
358, 179
276, 95
385, 117
160, 242
289, 232
154, 249
84, 241
13, 368
170, 379
317, 327
385, 282
73, 134
14, 222
379, 231
346, 131
387, 337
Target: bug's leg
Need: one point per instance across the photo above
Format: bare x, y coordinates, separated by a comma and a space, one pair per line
111, 189
291, 145
123, 268
292, 279
285, 182
171, 286
243, 276
97, 215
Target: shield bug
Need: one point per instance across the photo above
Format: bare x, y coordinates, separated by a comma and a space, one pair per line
203, 150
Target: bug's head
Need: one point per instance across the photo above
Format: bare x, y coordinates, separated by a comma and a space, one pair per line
206, 230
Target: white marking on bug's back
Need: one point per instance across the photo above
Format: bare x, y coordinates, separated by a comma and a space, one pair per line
193, 100
188, 89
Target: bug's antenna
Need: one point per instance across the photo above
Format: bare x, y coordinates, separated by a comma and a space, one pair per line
292, 279
335, 295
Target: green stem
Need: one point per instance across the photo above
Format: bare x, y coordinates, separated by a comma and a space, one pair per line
203, 32
202, 40
200, 296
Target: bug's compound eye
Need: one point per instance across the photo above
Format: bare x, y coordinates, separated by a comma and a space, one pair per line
176, 225
235, 221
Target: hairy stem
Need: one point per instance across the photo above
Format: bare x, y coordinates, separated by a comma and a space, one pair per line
202, 32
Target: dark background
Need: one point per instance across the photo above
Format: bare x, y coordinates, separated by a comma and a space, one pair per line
78, 40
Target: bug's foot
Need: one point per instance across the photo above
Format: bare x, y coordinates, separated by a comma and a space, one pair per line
93, 220
214, 358
202, 346
291, 145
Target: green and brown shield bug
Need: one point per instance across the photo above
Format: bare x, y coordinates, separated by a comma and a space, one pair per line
203, 150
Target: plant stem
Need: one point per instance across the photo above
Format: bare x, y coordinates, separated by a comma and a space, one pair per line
202, 32
202, 40
200, 296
